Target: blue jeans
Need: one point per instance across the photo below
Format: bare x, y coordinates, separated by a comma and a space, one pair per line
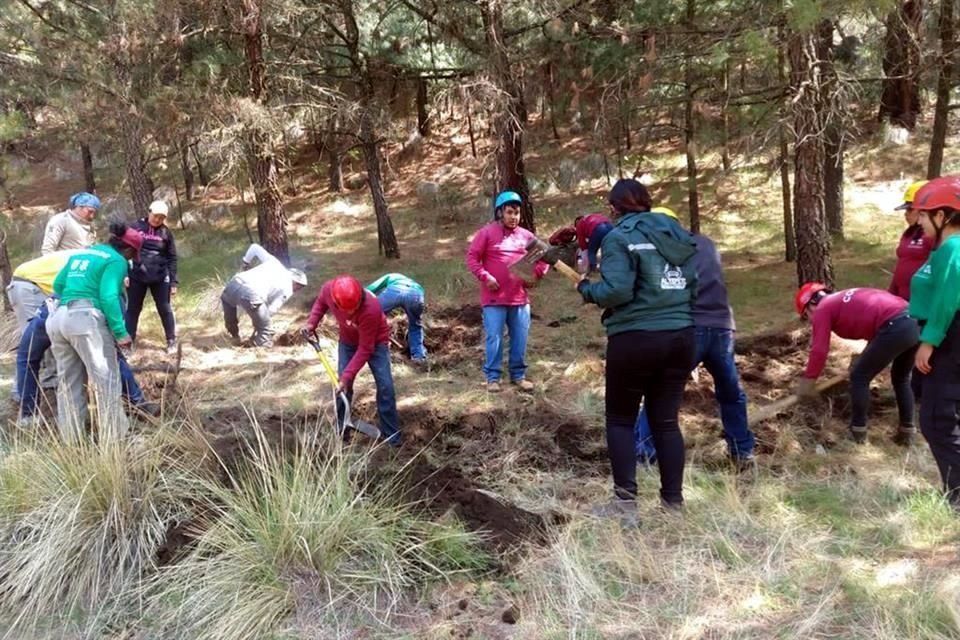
411, 301
379, 364
715, 351
34, 345
517, 321
595, 240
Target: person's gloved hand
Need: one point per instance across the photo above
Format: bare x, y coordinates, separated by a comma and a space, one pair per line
807, 388
492, 284
125, 342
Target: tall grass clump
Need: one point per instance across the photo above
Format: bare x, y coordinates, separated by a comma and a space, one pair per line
80, 528
299, 547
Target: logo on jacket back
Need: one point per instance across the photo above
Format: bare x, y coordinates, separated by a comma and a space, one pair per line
672, 278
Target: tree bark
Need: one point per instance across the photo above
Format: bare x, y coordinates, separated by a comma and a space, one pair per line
261, 161
140, 185
510, 116
814, 263
833, 138
945, 80
789, 239
202, 174
690, 130
900, 97
551, 100
725, 132
183, 152
6, 270
423, 115
386, 237
89, 178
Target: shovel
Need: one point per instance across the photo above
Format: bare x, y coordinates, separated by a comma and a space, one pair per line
538, 250
365, 428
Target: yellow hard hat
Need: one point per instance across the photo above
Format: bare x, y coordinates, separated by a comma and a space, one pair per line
667, 211
910, 193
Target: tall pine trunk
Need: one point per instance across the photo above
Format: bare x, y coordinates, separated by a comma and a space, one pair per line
690, 130
386, 237
789, 239
510, 116
261, 161
423, 115
945, 80
900, 97
814, 262
139, 183
833, 138
89, 179
183, 151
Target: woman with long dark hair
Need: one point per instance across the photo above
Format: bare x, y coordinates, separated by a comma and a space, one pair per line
646, 289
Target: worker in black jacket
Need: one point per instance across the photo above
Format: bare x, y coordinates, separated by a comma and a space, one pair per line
156, 271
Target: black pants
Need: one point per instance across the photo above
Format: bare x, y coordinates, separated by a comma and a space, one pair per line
895, 344
940, 409
161, 298
653, 367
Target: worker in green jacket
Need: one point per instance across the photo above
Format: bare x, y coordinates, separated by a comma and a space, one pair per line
397, 291
85, 331
647, 287
935, 303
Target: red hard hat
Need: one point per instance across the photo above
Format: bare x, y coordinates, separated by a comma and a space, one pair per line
939, 193
347, 293
805, 295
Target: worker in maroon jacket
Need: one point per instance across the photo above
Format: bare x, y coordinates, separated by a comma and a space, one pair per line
364, 339
591, 230
862, 314
914, 247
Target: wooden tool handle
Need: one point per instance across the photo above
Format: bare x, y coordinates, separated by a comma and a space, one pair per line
568, 271
781, 405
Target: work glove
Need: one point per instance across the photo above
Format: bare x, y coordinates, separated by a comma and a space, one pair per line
807, 388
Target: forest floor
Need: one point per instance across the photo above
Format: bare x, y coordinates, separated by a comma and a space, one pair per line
826, 539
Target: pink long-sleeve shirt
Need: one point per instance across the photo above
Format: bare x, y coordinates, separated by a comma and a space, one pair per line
912, 253
854, 314
365, 329
490, 255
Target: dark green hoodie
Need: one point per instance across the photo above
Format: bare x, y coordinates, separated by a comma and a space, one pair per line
648, 282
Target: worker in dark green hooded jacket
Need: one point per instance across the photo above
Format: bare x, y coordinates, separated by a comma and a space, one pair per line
647, 288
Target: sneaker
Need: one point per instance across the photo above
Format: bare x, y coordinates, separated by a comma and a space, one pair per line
29, 422
858, 434
494, 386
623, 511
171, 347
523, 384
236, 341
905, 435
420, 363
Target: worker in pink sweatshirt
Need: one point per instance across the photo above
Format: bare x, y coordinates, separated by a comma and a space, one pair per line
364, 339
503, 293
874, 315
914, 247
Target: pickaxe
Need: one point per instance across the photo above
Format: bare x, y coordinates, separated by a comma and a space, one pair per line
538, 250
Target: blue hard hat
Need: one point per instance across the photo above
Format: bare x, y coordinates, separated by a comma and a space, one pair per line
84, 199
506, 197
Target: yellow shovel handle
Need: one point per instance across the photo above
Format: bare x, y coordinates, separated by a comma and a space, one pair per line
331, 372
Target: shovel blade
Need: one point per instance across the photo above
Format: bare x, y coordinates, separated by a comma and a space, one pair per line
365, 428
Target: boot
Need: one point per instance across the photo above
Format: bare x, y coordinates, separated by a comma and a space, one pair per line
858, 434
905, 435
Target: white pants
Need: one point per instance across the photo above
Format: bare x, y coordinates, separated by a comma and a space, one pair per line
84, 346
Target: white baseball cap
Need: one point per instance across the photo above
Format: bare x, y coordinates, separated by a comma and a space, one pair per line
298, 276
159, 207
